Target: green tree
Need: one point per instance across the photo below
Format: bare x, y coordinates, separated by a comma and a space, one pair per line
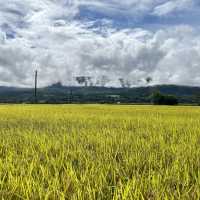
160, 99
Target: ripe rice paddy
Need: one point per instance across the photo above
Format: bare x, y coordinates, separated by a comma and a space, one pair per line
89, 152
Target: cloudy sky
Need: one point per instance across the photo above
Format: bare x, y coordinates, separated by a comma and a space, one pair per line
132, 39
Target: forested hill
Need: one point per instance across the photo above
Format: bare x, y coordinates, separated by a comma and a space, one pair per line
63, 94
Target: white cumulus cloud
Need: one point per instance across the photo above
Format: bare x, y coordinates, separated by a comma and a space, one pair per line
47, 35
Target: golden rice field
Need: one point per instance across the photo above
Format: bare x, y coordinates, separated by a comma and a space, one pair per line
99, 152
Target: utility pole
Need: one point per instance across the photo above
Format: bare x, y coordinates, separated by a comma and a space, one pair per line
71, 96
36, 77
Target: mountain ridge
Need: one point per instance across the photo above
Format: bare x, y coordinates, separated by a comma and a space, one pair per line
58, 93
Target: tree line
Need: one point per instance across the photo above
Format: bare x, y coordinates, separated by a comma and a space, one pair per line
156, 97
88, 81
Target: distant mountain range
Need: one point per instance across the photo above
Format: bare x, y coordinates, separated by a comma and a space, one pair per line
57, 93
